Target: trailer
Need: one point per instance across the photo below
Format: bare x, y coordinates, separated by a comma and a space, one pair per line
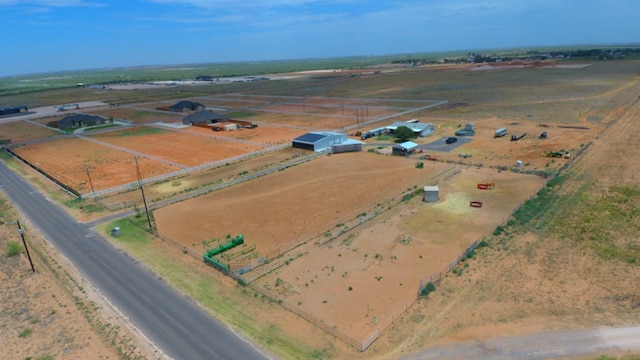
243, 124
500, 132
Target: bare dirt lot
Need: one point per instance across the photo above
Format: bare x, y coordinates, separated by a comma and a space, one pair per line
20, 131
106, 166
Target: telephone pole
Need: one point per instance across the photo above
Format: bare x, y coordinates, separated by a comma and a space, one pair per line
90, 182
25, 245
146, 209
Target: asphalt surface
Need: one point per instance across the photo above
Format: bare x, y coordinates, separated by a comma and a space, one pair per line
442, 146
176, 325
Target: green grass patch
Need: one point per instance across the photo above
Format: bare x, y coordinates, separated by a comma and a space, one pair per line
242, 114
142, 130
24, 333
13, 248
85, 205
99, 127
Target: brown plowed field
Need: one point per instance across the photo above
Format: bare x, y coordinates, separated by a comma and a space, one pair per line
69, 159
263, 134
178, 146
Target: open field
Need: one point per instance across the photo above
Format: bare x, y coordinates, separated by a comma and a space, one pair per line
263, 134
87, 164
536, 274
21, 131
179, 147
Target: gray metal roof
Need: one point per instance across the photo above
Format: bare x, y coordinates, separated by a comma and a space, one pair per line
311, 137
203, 117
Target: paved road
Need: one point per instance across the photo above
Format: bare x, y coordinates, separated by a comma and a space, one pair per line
175, 324
549, 345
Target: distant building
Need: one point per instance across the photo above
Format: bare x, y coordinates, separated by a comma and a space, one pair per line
204, 117
186, 105
81, 120
13, 109
419, 129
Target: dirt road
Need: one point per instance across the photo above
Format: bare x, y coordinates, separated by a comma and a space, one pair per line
548, 345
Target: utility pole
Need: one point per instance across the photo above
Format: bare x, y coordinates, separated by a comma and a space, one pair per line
25, 245
146, 209
90, 182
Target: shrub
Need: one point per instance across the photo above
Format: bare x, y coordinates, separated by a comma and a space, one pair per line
431, 287
26, 332
13, 248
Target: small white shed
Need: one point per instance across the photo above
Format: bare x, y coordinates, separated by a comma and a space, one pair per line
431, 193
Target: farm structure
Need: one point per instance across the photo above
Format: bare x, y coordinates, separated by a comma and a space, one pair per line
319, 141
13, 110
431, 193
404, 148
419, 129
468, 130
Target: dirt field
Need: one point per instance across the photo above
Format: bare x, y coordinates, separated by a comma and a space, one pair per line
300, 193
107, 167
20, 131
180, 147
264, 134
372, 258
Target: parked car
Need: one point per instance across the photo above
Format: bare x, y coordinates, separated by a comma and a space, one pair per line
451, 140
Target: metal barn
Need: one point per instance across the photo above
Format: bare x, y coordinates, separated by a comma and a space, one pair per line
431, 193
319, 141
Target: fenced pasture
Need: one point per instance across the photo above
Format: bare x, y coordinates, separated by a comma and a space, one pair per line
182, 148
316, 112
353, 258
85, 166
265, 133
23, 131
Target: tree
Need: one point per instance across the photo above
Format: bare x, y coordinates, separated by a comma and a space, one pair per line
403, 133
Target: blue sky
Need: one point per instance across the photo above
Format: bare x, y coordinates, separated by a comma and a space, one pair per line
53, 35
